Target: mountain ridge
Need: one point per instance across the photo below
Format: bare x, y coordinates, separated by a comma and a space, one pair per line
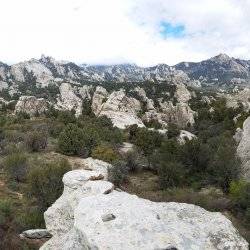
217, 70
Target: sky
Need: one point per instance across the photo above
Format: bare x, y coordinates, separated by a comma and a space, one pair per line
144, 32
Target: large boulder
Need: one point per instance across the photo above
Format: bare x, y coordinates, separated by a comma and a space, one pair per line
31, 105
180, 114
243, 149
182, 94
99, 97
68, 99
77, 184
90, 214
142, 93
121, 109
185, 136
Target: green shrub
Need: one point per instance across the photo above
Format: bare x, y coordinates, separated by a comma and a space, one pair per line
76, 141
5, 210
45, 182
30, 218
67, 116
51, 112
153, 124
36, 141
5, 207
55, 129
118, 173
16, 166
135, 161
145, 139
196, 156
14, 136
20, 116
240, 192
86, 108
105, 153
171, 174
173, 131
3, 120
225, 166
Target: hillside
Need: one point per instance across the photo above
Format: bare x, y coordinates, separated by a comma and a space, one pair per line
171, 134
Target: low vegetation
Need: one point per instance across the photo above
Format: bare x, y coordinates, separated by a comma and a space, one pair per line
158, 168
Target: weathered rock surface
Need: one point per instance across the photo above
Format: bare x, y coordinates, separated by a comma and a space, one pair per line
68, 100
36, 234
121, 109
126, 147
185, 136
242, 97
33, 68
91, 215
77, 184
243, 149
180, 114
3, 85
31, 105
142, 93
182, 94
98, 99
238, 135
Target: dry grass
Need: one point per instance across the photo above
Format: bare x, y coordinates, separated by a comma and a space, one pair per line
145, 185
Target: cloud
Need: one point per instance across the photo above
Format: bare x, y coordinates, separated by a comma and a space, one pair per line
118, 31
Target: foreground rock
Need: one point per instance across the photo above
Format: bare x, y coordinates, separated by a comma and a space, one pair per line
90, 214
31, 105
243, 149
35, 234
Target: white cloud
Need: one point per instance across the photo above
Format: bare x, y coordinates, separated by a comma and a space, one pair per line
116, 31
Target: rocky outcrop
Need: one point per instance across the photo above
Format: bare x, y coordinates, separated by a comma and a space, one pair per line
242, 97
68, 100
142, 93
31, 105
4, 71
185, 136
90, 214
85, 91
3, 85
59, 217
99, 97
243, 149
238, 135
126, 147
182, 94
35, 234
121, 109
21, 72
180, 114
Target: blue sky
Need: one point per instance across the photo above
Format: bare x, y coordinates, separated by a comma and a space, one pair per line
171, 30
145, 32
